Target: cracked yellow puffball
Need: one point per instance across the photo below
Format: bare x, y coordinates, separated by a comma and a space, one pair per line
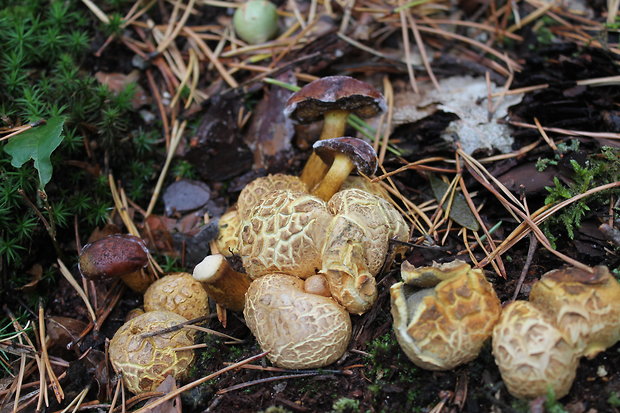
179, 293
145, 362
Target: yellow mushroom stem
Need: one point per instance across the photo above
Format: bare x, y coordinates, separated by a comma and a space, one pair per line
138, 280
225, 285
334, 125
339, 170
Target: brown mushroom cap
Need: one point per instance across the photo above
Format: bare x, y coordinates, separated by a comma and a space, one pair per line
334, 93
531, 353
360, 152
255, 191
116, 256
284, 233
442, 327
146, 361
112, 256
357, 245
300, 330
179, 293
584, 305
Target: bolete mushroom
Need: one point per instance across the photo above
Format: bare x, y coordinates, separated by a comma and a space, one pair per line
144, 362
299, 329
343, 155
179, 293
225, 285
332, 98
584, 305
284, 233
118, 255
532, 354
442, 327
358, 245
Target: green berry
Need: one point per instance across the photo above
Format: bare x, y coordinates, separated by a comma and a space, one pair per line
256, 21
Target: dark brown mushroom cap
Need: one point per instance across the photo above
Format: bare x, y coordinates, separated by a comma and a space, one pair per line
360, 152
334, 93
113, 256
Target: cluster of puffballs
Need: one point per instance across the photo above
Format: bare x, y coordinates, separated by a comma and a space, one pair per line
311, 247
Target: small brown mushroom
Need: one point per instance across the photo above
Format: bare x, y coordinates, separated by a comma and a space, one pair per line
300, 330
358, 245
343, 155
332, 98
144, 362
284, 233
179, 293
442, 327
584, 305
225, 285
118, 255
532, 354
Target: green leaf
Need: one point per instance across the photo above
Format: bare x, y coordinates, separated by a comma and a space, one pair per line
37, 144
460, 211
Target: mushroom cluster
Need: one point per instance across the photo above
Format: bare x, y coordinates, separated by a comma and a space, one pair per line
570, 313
311, 249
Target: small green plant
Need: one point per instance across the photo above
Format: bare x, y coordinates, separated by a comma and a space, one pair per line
551, 403
598, 169
346, 405
614, 399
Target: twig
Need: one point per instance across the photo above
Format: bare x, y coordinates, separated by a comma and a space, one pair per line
198, 382
265, 380
526, 266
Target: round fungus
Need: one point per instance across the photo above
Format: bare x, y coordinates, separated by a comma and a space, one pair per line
584, 305
284, 233
532, 354
443, 314
179, 293
145, 361
299, 329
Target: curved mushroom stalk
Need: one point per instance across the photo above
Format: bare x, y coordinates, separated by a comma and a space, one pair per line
333, 98
343, 155
284, 233
225, 285
442, 327
357, 246
299, 329
585, 306
532, 354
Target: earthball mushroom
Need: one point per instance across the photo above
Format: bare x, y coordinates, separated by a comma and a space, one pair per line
443, 314
179, 293
358, 245
116, 256
532, 354
332, 98
584, 305
254, 192
144, 362
284, 233
227, 241
300, 330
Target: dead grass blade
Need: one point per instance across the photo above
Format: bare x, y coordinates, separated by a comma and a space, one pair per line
69, 277
58, 392
195, 383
